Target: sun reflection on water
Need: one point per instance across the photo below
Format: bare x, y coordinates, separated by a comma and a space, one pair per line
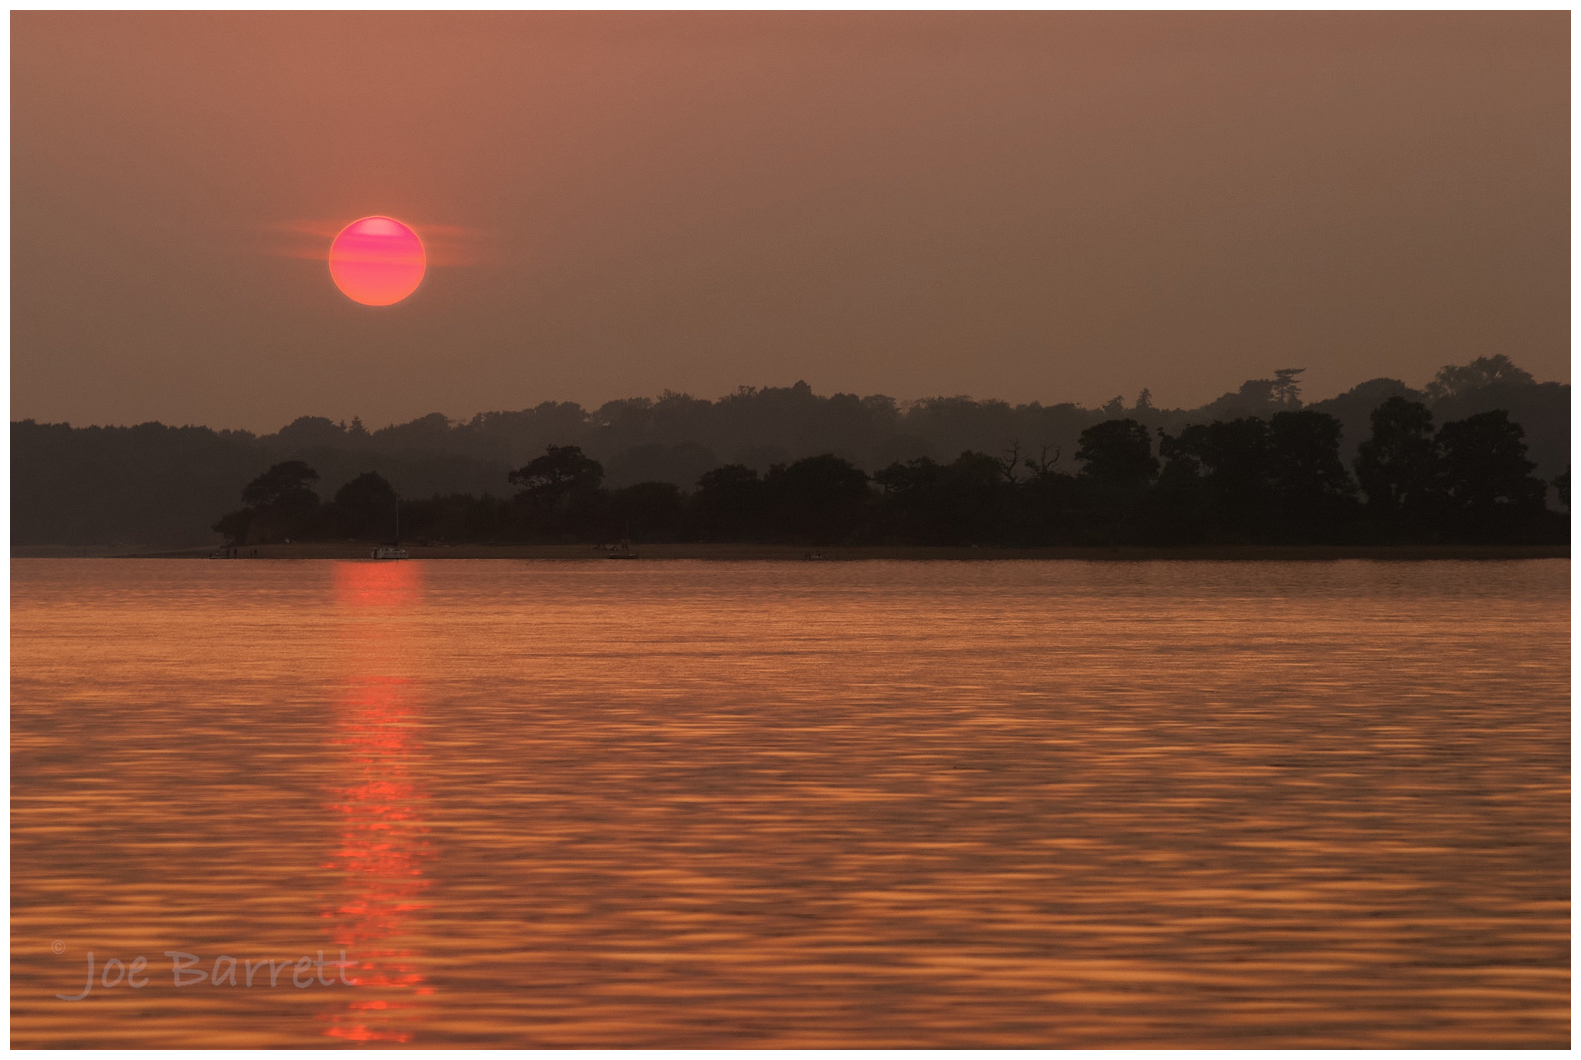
382, 848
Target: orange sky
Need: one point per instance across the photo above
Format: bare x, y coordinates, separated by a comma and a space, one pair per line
1051, 206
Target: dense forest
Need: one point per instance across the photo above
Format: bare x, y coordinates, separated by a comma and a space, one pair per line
1257, 465
1242, 481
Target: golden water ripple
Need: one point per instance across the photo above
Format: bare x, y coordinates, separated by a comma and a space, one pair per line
681, 804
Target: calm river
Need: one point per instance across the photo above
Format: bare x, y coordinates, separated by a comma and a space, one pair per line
790, 804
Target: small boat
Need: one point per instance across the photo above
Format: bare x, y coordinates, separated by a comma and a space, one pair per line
622, 551
394, 551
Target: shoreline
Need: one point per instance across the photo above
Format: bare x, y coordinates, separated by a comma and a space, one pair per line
347, 550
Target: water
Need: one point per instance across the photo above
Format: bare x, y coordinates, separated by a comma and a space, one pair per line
780, 804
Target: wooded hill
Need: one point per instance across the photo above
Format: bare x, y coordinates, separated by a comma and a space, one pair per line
165, 486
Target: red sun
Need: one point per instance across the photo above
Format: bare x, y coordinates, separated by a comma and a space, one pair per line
377, 261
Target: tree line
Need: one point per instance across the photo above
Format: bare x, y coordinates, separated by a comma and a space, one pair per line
676, 437
158, 485
1247, 480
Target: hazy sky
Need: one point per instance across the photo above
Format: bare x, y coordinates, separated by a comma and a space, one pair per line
1042, 206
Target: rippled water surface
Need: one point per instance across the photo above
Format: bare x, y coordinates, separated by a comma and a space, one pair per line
817, 804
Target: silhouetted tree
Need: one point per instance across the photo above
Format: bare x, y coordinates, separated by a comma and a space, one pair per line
969, 501
1118, 464
1453, 380
1175, 511
365, 507
1312, 490
562, 470
1010, 463
1046, 505
286, 487
909, 499
1117, 453
1043, 466
728, 504
820, 500
1235, 492
1493, 383
1492, 494
560, 498
1398, 468
280, 503
977, 498
1286, 389
1250, 480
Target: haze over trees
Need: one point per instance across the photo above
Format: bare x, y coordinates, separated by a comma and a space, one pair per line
944, 469
1242, 481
